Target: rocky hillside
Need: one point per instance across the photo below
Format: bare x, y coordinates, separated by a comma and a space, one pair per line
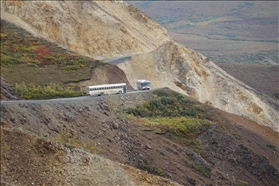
7, 93
191, 73
45, 162
99, 29
87, 142
107, 29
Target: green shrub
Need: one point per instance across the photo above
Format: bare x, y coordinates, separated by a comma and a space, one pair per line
166, 92
92, 148
271, 146
180, 127
161, 106
71, 67
202, 168
65, 137
112, 102
189, 112
171, 113
73, 140
126, 116
32, 65
167, 103
51, 58
8, 60
26, 50
145, 165
5, 50
26, 59
30, 91
243, 183
196, 144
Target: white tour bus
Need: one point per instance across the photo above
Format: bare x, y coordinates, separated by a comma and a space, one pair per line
143, 84
99, 90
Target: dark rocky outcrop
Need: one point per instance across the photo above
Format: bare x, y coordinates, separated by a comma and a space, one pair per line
7, 93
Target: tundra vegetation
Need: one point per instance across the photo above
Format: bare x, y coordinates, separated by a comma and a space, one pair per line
179, 117
233, 32
145, 164
31, 91
39, 69
172, 114
26, 59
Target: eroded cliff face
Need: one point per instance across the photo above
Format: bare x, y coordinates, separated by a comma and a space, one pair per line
99, 29
184, 70
104, 29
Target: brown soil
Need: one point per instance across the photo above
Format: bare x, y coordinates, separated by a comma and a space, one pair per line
237, 150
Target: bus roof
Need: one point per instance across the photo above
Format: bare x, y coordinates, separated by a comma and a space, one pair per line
142, 80
107, 85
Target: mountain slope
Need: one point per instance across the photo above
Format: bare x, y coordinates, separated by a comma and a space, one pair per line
70, 141
188, 72
167, 63
45, 162
43, 141
28, 59
98, 29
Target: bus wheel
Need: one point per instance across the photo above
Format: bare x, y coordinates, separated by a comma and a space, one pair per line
120, 92
101, 94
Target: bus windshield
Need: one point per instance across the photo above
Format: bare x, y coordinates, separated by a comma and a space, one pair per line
145, 84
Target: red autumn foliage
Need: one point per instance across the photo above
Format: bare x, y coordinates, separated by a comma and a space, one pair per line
41, 52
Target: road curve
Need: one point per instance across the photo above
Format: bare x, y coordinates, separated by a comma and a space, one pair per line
80, 98
117, 60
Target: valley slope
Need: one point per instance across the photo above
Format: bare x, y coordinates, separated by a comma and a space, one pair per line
108, 29
87, 142
244, 32
94, 140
